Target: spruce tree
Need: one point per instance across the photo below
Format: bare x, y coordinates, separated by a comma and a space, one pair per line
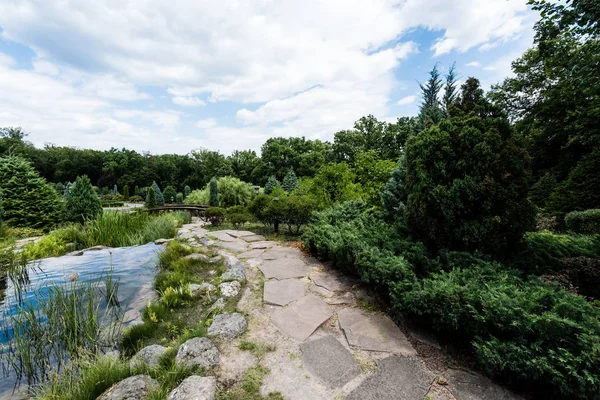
186, 191
160, 199
151, 198
137, 191
271, 185
450, 91
431, 111
115, 191
393, 195
290, 181
214, 193
170, 194
126, 193
28, 200
82, 202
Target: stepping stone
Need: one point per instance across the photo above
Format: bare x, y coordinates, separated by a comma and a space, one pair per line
329, 361
320, 290
235, 245
276, 253
199, 352
466, 385
328, 281
346, 298
251, 254
284, 269
195, 388
282, 292
262, 245
373, 332
398, 378
300, 319
254, 238
228, 325
230, 289
222, 236
240, 234
135, 387
149, 355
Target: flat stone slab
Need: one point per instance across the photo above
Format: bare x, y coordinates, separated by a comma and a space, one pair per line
262, 245
373, 332
282, 292
398, 378
346, 298
320, 290
328, 281
222, 236
466, 385
240, 234
195, 388
135, 387
254, 238
328, 360
251, 254
277, 252
301, 318
235, 245
228, 325
284, 269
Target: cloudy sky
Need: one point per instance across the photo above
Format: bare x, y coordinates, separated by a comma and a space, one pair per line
168, 76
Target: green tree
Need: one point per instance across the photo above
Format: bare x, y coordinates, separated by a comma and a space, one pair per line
272, 183
1, 208
467, 180
151, 198
290, 182
213, 193
82, 202
160, 199
186, 191
372, 174
335, 183
431, 110
450, 90
28, 200
179, 198
137, 191
393, 195
234, 192
170, 194
126, 192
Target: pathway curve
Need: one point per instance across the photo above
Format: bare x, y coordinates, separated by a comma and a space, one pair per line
326, 347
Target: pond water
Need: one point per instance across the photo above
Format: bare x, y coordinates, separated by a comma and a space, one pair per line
133, 267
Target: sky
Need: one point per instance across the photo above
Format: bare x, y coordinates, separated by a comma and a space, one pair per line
170, 76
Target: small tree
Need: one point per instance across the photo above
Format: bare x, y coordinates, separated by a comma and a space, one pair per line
115, 191
271, 185
126, 193
1, 208
137, 191
151, 198
170, 194
160, 199
82, 202
214, 193
393, 195
186, 191
290, 181
179, 198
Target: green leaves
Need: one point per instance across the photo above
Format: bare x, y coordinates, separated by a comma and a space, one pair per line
82, 202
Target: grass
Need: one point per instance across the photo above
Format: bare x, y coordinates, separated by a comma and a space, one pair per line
257, 349
249, 388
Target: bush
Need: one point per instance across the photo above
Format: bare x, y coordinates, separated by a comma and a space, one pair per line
151, 199
234, 192
238, 216
160, 199
1, 206
186, 191
107, 197
587, 221
179, 198
215, 215
294, 211
28, 200
136, 199
213, 190
271, 184
393, 195
199, 197
82, 202
170, 194
112, 203
118, 197
336, 183
584, 274
290, 182
259, 208
126, 193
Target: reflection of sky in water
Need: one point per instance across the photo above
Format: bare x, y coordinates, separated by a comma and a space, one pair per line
133, 267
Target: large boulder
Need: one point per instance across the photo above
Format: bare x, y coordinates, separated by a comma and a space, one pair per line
228, 325
133, 388
149, 355
195, 388
197, 352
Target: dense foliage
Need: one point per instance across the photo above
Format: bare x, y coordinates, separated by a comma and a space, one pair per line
158, 195
290, 182
587, 221
82, 203
170, 194
151, 199
213, 190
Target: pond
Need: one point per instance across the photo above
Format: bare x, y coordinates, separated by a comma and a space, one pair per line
133, 267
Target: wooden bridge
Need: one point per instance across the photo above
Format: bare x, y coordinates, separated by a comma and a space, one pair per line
197, 210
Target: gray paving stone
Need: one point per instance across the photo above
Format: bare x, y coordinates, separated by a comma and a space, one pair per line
328, 281
239, 234
277, 252
398, 378
373, 332
466, 385
262, 245
222, 236
235, 245
282, 292
346, 298
254, 238
329, 361
255, 253
320, 290
284, 268
301, 318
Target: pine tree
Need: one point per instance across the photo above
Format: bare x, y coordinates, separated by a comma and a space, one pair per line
271, 185
126, 193
186, 191
450, 92
28, 200
393, 195
431, 111
82, 202
137, 191
214, 193
160, 199
151, 198
170, 194
290, 181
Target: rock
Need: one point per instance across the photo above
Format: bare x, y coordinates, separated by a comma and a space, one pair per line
149, 355
195, 388
284, 268
251, 254
240, 234
466, 385
75, 253
261, 245
97, 248
228, 325
280, 293
373, 332
277, 252
398, 378
329, 361
197, 352
203, 288
236, 245
133, 388
197, 256
254, 238
234, 272
230, 289
223, 236
300, 319
328, 281
218, 305
320, 290
162, 241
215, 259
346, 298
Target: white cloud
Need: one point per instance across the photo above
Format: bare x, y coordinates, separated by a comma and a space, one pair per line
473, 64
188, 101
206, 123
489, 68
407, 100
